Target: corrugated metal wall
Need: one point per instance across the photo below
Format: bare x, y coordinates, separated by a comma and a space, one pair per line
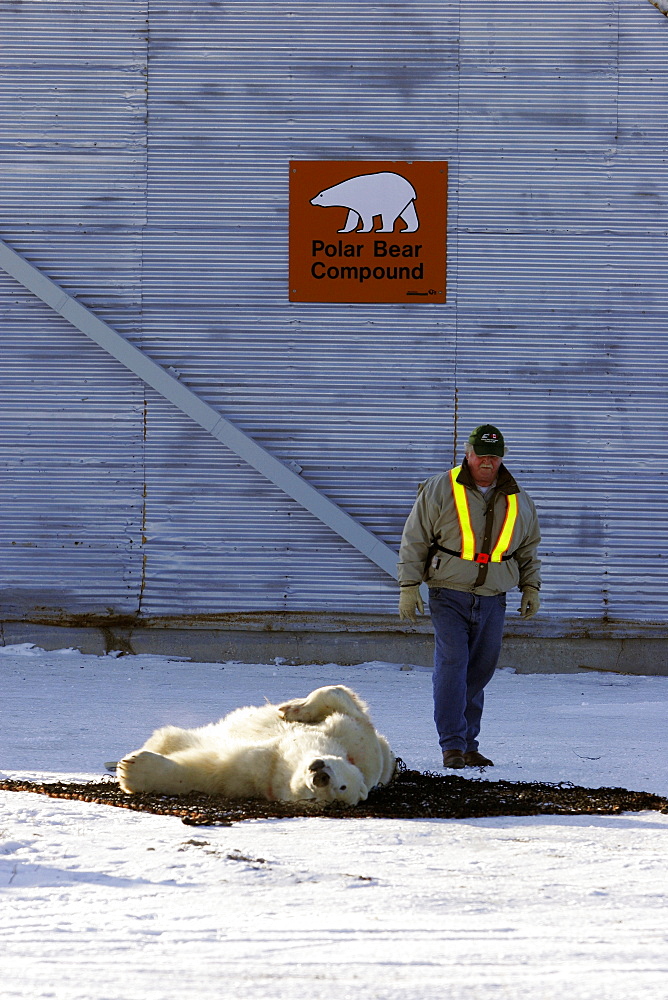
562, 282
145, 167
73, 165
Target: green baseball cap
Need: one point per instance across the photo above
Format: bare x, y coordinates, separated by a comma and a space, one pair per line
487, 440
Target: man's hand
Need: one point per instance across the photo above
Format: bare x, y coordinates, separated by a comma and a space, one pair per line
530, 602
409, 600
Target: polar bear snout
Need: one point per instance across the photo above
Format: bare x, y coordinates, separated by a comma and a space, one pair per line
336, 780
321, 775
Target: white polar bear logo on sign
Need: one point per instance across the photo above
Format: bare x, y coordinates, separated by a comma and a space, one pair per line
322, 748
385, 194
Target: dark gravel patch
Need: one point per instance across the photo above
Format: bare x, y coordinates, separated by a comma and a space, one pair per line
411, 795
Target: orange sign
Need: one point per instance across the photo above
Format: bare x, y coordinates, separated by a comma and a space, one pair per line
368, 230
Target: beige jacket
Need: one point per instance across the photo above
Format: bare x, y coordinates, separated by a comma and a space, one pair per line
433, 519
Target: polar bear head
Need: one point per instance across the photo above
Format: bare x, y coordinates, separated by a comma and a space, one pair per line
330, 779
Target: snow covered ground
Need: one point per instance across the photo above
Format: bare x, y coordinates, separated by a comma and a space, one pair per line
98, 903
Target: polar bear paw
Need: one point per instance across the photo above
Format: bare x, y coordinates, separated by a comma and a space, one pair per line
144, 771
298, 710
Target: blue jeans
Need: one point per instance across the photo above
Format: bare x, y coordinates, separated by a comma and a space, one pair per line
467, 631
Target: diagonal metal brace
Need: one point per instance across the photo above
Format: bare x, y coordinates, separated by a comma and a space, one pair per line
190, 403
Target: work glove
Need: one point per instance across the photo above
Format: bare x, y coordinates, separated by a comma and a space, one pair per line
530, 602
409, 600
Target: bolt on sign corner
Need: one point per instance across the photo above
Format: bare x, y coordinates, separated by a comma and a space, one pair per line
368, 231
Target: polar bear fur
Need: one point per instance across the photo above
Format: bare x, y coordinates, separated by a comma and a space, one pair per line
322, 748
386, 194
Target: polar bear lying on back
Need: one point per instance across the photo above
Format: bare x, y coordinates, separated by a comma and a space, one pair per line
322, 748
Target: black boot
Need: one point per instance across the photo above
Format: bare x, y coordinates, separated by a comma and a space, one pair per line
453, 758
474, 759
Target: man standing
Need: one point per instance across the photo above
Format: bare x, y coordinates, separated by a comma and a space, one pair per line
472, 535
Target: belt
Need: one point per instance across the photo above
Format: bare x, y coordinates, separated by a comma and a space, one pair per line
479, 557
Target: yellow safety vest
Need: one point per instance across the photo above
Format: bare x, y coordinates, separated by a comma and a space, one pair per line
468, 551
